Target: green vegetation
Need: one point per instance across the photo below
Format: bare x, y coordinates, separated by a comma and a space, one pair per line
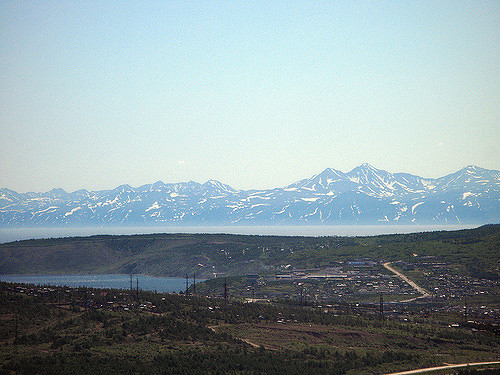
473, 252
318, 309
53, 330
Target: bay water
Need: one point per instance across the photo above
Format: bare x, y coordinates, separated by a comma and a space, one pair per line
174, 285
119, 281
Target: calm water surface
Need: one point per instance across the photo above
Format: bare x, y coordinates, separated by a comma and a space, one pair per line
159, 284
165, 284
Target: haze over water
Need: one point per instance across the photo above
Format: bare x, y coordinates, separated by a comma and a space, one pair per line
17, 234
158, 284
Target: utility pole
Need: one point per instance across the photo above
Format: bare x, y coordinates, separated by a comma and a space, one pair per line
130, 281
225, 291
466, 311
187, 284
16, 314
194, 283
381, 307
225, 300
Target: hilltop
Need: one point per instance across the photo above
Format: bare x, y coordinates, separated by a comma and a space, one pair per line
473, 251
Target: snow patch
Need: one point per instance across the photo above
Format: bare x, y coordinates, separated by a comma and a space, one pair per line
5, 197
415, 206
283, 210
312, 214
468, 194
72, 211
47, 210
309, 199
155, 206
259, 204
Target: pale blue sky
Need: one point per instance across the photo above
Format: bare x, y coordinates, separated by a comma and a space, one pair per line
255, 94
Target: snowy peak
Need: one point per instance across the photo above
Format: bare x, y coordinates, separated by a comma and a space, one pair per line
217, 186
477, 172
365, 195
367, 174
323, 181
331, 175
9, 197
470, 178
366, 168
364, 178
57, 193
158, 185
379, 183
123, 189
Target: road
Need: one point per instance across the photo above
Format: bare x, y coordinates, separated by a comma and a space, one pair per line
424, 293
214, 328
431, 369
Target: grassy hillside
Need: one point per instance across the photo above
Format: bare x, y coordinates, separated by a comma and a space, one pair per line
474, 252
90, 331
313, 330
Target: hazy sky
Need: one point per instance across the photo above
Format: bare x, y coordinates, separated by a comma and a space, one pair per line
255, 94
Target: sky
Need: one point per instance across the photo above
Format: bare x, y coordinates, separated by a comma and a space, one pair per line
255, 94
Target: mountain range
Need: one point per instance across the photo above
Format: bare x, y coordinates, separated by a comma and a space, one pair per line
365, 195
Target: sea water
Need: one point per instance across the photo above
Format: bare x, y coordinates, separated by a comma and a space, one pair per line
158, 284
169, 284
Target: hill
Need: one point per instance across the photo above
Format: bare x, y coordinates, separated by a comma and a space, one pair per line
60, 330
473, 252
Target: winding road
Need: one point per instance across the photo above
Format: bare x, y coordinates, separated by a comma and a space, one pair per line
431, 369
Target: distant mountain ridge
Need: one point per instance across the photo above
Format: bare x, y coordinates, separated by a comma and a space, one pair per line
365, 195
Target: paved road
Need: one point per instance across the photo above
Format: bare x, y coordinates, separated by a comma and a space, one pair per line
424, 293
431, 369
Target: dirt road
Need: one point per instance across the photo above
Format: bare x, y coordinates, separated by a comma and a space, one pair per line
431, 369
419, 289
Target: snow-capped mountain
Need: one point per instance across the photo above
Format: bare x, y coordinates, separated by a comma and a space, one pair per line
365, 195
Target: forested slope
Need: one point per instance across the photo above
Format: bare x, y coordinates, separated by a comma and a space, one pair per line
473, 251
